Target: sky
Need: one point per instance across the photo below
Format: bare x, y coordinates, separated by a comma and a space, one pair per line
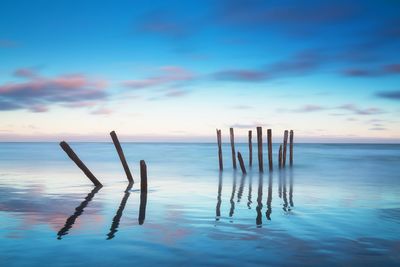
177, 70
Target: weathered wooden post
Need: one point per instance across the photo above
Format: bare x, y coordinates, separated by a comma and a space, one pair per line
71, 154
260, 153
269, 137
285, 137
121, 156
280, 156
233, 148
291, 147
221, 165
250, 149
241, 163
143, 177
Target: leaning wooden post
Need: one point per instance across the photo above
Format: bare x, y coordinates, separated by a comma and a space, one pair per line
285, 137
291, 147
269, 137
260, 153
143, 177
280, 156
121, 156
250, 150
233, 148
221, 165
71, 154
241, 163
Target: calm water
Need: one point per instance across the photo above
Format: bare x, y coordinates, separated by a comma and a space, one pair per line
338, 206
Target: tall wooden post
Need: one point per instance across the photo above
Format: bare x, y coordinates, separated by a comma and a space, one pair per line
241, 163
250, 150
269, 137
280, 156
221, 165
233, 148
71, 154
143, 177
291, 147
285, 137
121, 156
260, 153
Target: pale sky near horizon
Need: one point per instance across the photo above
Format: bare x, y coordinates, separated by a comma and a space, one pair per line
177, 70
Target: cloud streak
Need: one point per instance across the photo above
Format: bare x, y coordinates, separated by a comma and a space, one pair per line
392, 95
38, 93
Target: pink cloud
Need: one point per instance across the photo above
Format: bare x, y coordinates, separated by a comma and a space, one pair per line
38, 92
169, 75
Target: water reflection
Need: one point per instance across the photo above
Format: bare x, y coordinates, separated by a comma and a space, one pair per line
118, 215
291, 187
232, 210
241, 187
269, 198
250, 188
218, 207
142, 207
259, 201
78, 211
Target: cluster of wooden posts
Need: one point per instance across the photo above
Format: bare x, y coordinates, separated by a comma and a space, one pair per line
143, 168
281, 154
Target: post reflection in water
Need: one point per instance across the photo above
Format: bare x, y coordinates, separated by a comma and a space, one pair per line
269, 198
218, 207
241, 187
250, 188
259, 200
78, 211
142, 207
286, 206
118, 215
291, 188
232, 210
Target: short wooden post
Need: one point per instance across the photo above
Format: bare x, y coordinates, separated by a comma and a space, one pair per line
285, 137
241, 163
291, 147
71, 154
269, 137
280, 156
143, 177
250, 149
221, 165
233, 148
260, 153
121, 156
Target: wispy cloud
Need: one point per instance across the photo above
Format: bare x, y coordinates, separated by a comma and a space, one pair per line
169, 75
389, 69
310, 108
392, 95
38, 93
361, 111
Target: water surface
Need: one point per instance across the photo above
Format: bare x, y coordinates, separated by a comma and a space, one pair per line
339, 205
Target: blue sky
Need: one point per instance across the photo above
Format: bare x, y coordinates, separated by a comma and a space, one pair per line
176, 70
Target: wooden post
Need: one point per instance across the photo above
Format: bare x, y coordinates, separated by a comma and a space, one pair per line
233, 148
71, 154
285, 137
250, 150
142, 208
121, 156
221, 165
143, 177
260, 153
241, 163
291, 147
280, 156
269, 137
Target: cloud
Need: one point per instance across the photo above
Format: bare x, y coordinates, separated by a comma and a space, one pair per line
310, 108
102, 111
393, 95
38, 93
176, 93
389, 69
361, 111
241, 75
377, 129
169, 75
300, 63
249, 125
5, 43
